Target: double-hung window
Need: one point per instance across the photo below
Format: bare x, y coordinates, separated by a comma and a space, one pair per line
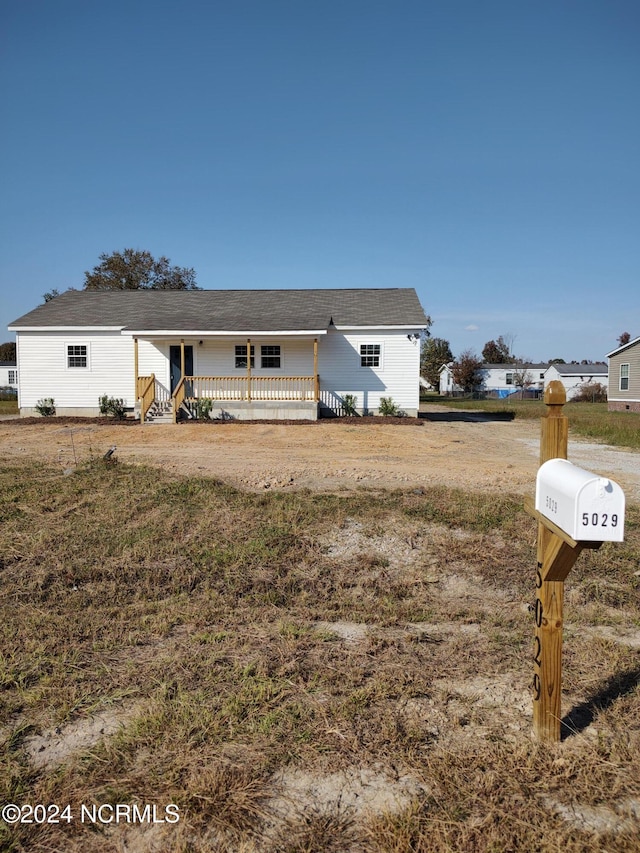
77, 355
370, 355
509, 379
270, 356
13, 377
624, 377
241, 356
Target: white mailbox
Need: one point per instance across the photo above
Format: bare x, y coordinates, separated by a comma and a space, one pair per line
587, 507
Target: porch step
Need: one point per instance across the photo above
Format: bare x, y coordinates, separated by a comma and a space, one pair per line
161, 412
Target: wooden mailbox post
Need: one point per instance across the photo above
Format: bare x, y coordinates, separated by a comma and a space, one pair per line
575, 510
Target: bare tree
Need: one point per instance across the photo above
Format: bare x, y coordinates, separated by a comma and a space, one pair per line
466, 371
522, 379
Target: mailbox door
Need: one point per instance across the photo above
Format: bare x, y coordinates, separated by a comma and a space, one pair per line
599, 513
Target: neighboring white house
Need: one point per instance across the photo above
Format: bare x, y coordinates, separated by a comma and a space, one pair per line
624, 378
9, 375
446, 385
499, 380
254, 353
574, 376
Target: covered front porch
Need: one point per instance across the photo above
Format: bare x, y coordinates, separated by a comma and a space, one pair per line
252, 392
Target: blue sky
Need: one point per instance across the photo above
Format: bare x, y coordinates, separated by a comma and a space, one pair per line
485, 153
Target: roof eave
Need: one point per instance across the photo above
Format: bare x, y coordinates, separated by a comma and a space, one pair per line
221, 333
389, 327
623, 347
65, 328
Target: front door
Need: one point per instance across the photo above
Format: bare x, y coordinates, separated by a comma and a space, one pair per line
174, 359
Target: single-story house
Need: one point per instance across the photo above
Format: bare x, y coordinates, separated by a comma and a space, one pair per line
9, 375
499, 380
574, 376
252, 353
624, 377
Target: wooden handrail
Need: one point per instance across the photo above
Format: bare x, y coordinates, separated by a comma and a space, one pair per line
146, 393
178, 396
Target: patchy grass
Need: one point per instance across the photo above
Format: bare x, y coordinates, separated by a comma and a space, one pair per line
591, 420
8, 405
302, 672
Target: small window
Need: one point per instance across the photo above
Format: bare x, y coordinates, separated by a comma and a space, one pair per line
541, 376
77, 355
270, 356
13, 377
369, 355
624, 377
241, 356
509, 379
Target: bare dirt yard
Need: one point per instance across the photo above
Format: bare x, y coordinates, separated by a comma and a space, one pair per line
469, 450
332, 656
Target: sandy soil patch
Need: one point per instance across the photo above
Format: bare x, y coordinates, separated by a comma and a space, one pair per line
325, 456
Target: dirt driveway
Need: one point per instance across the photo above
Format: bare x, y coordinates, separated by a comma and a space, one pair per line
443, 448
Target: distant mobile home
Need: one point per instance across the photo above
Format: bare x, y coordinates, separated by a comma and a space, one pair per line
575, 376
252, 354
499, 380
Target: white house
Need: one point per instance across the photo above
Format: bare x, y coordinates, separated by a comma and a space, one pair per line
253, 353
9, 375
574, 376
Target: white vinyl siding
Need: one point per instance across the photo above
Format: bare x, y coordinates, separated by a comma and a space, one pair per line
42, 357
221, 356
45, 372
341, 371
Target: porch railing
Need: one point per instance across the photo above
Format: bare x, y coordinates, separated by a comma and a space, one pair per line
242, 388
146, 393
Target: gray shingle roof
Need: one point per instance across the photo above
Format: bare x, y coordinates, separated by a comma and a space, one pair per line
516, 365
582, 369
229, 310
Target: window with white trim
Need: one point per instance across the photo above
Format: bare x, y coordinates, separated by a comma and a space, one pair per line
13, 377
624, 377
370, 355
509, 379
77, 355
270, 356
241, 356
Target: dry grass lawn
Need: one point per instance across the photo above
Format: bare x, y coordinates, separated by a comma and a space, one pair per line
303, 671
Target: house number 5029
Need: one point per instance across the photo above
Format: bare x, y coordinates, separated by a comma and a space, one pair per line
538, 615
596, 519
